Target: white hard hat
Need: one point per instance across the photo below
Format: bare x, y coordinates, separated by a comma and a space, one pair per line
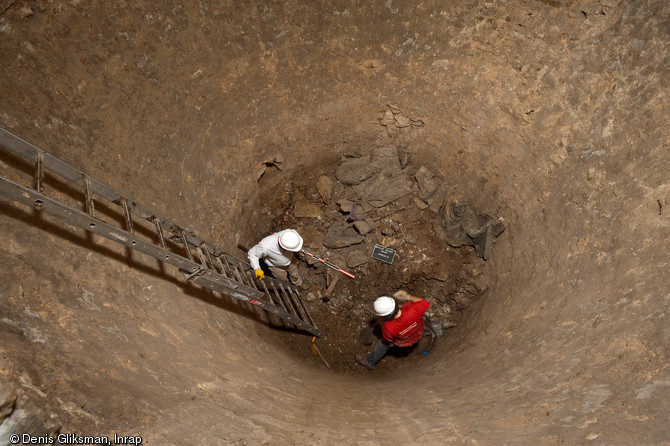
384, 306
290, 240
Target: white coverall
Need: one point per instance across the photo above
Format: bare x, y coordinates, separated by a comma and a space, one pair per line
282, 263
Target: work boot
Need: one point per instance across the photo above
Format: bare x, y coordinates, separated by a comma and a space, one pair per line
363, 360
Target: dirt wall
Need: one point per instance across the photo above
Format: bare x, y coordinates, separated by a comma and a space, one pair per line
549, 113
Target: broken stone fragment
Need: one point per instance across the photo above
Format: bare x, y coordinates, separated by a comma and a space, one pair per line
363, 227
384, 188
387, 231
353, 171
325, 187
354, 210
420, 203
387, 119
340, 236
442, 275
457, 224
427, 182
377, 178
346, 205
390, 242
402, 120
7, 400
437, 198
405, 158
304, 208
357, 258
385, 158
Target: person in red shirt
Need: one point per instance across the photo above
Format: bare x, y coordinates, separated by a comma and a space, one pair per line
402, 327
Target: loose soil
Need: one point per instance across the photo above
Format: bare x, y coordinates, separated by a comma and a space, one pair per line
450, 279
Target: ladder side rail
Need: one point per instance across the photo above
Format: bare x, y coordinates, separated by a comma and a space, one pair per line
30, 153
79, 218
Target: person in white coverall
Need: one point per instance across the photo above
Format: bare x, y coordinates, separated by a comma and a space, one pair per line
277, 250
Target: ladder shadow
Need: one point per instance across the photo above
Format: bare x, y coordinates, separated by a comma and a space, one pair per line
87, 240
241, 308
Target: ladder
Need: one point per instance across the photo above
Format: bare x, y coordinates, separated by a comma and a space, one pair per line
142, 230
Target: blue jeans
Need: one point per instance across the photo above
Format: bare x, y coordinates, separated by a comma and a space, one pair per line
381, 348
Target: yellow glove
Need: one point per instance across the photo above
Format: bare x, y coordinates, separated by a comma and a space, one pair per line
260, 274
402, 295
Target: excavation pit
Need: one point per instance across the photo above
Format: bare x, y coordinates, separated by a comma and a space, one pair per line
550, 114
450, 278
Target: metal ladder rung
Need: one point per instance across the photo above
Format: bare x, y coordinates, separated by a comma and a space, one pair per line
268, 295
90, 207
302, 305
236, 274
227, 265
244, 276
222, 268
296, 305
129, 218
252, 279
39, 174
159, 231
203, 259
278, 298
288, 298
184, 240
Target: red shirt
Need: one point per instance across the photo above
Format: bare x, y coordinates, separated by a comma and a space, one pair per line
407, 329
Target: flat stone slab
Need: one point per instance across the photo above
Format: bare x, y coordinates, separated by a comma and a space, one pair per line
340, 236
385, 158
354, 170
384, 188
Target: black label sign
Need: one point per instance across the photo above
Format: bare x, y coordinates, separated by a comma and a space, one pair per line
383, 253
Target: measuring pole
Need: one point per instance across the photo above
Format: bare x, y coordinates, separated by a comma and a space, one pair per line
304, 251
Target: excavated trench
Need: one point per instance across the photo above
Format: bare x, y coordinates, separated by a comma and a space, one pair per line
451, 278
549, 114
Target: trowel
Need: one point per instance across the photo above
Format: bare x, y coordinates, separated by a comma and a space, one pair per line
316, 352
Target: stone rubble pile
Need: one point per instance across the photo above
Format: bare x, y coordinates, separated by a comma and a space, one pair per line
379, 190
